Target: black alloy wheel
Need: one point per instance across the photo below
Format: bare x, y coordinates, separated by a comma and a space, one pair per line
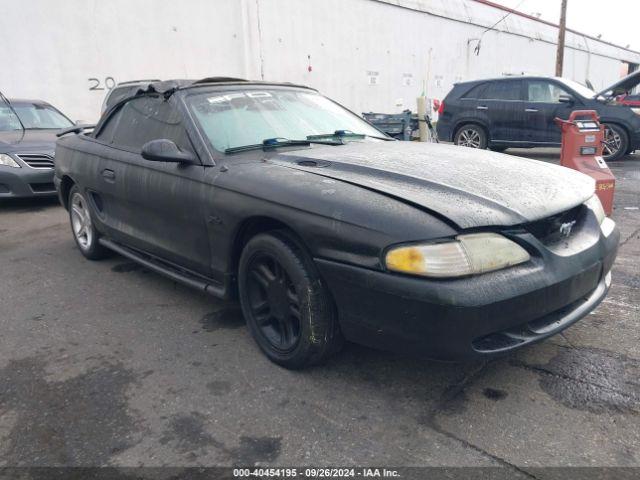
274, 302
288, 308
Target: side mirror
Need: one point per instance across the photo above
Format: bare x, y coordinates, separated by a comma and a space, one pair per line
565, 99
164, 150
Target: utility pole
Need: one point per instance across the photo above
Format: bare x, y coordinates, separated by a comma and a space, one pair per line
561, 34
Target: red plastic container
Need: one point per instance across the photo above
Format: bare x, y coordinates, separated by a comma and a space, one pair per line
582, 144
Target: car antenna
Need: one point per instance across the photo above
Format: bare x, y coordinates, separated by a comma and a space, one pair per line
6, 100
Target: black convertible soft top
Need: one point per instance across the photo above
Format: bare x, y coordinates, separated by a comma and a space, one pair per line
168, 87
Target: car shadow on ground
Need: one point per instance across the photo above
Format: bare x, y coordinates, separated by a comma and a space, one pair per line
27, 204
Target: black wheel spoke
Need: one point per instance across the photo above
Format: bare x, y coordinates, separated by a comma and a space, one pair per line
274, 304
263, 275
278, 271
262, 307
292, 296
262, 312
263, 319
294, 311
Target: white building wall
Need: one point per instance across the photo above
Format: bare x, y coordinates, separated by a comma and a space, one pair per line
50, 50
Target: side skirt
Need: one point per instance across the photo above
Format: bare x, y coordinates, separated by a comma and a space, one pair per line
170, 270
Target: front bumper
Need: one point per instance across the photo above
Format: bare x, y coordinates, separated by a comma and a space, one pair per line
26, 182
474, 317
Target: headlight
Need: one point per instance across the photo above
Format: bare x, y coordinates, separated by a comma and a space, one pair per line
7, 161
466, 255
596, 206
636, 111
606, 224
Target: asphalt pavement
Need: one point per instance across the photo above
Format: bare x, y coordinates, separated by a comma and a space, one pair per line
107, 363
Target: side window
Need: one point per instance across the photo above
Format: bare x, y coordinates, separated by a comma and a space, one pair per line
106, 132
503, 90
149, 118
475, 92
543, 91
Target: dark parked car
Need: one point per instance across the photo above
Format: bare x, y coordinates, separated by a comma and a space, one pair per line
327, 229
27, 142
520, 111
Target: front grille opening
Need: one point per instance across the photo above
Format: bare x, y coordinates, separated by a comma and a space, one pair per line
553, 320
36, 160
43, 187
529, 331
553, 230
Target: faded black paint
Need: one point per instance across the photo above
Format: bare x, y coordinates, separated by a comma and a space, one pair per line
367, 196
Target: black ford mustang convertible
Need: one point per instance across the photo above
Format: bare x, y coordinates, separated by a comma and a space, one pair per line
326, 229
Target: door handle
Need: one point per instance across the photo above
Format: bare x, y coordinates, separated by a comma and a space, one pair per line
109, 175
482, 107
531, 110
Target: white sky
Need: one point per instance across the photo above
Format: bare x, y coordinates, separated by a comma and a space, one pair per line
618, 21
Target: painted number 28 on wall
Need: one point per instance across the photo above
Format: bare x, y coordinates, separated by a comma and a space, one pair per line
107, 83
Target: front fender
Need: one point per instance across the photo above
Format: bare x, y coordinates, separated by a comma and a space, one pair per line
336, 220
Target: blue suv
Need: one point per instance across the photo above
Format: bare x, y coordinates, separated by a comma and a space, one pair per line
520, 112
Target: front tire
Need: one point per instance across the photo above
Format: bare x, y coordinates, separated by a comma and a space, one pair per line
616, 142
82, 227
287, 307
472, 136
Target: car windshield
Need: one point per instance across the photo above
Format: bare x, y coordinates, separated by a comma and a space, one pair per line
33, 116
232, 119
578, 88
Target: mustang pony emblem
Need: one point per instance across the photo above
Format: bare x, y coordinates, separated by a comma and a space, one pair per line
565, 228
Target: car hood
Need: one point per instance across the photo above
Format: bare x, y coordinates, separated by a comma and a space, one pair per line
40, 141
471, 188
624, 85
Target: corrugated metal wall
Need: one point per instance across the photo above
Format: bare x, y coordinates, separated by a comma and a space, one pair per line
368, 54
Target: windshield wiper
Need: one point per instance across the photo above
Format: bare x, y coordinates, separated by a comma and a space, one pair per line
345, 134
278, 142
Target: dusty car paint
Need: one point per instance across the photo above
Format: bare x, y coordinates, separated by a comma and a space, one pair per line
470, 189
347, 204
521, 122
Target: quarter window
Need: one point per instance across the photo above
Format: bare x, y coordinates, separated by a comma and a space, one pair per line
148, 118
503, 90
544, 92
106, 132
475, 92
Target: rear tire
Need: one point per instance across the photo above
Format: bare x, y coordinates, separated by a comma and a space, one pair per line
472, 136
287, 306
84, 232
616, 142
